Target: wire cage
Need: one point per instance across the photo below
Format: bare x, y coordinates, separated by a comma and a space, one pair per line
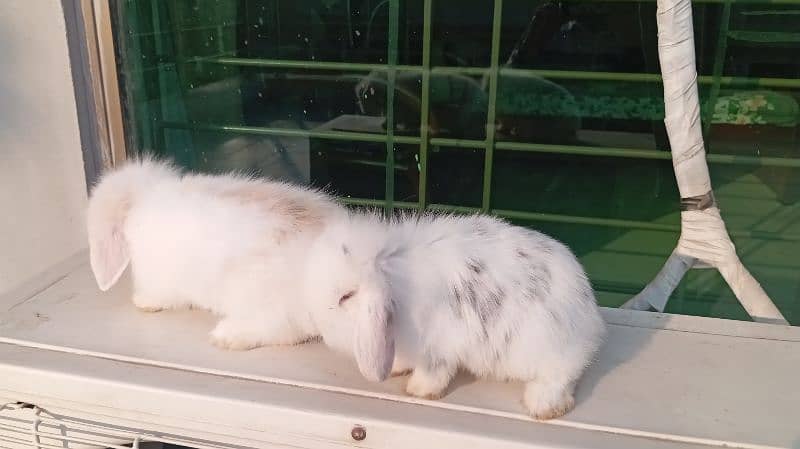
26, 426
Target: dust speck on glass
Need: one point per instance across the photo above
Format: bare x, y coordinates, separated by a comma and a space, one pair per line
548, 113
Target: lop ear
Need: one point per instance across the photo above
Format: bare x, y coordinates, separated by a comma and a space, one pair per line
374, 339
108, 254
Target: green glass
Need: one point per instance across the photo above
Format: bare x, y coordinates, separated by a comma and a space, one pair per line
547, 113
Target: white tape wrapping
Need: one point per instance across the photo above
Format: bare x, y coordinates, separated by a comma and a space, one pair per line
681, 104
704, 240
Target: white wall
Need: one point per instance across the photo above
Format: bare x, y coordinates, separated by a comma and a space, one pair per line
42, 183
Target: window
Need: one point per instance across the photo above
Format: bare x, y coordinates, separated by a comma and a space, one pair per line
575, 144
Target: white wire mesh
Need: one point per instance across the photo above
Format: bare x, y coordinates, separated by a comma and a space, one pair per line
25, 426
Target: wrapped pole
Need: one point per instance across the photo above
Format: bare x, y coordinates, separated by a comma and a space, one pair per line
704, 240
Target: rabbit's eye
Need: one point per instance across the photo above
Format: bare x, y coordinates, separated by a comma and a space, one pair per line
346, 296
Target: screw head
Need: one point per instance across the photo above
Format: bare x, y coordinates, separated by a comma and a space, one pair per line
358, 433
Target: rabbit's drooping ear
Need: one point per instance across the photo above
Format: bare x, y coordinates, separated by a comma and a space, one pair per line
109, 205
374, 339
108, 249
108, 253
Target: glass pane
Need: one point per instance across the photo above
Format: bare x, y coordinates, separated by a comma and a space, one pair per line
301, 91
456, 176
406, 173
462, 33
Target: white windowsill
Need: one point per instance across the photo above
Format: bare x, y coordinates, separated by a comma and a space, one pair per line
661, 381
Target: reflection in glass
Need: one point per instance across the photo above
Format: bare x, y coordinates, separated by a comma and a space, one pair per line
298, 91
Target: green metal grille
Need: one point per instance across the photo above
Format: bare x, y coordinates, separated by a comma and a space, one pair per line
583, 224
489, 145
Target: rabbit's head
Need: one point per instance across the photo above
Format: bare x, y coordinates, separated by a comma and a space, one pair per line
349, 293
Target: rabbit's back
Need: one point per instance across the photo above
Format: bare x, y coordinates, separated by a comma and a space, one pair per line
487, 293
188, 238
293, 209
181, 241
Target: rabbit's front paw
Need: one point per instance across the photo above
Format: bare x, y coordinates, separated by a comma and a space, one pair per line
548, 400
240, 334
232, 343
429, 383
400, 367
225, 336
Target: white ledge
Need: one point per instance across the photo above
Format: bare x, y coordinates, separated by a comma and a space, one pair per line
661, 380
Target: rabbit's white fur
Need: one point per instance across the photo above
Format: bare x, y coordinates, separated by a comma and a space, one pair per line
225, 243
433, 294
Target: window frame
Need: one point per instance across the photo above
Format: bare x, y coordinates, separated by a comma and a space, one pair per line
90, 43
100, 61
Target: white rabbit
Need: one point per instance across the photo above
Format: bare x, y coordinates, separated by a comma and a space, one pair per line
434, 294
225, 243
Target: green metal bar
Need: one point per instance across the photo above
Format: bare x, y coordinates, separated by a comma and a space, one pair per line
765, 37
494, 74
595, 221
367, 202
391, 77
453, 208
284, 132
582, 75
324, 65
771, 13
427, 18
161, 78
458, 143
732, 81
584, 150
722, 159
566, 219
551, 74
184, 29
755, 161
375, 163
455, 70
574, 219
292, 64
632, 224
719, 64
651, 78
